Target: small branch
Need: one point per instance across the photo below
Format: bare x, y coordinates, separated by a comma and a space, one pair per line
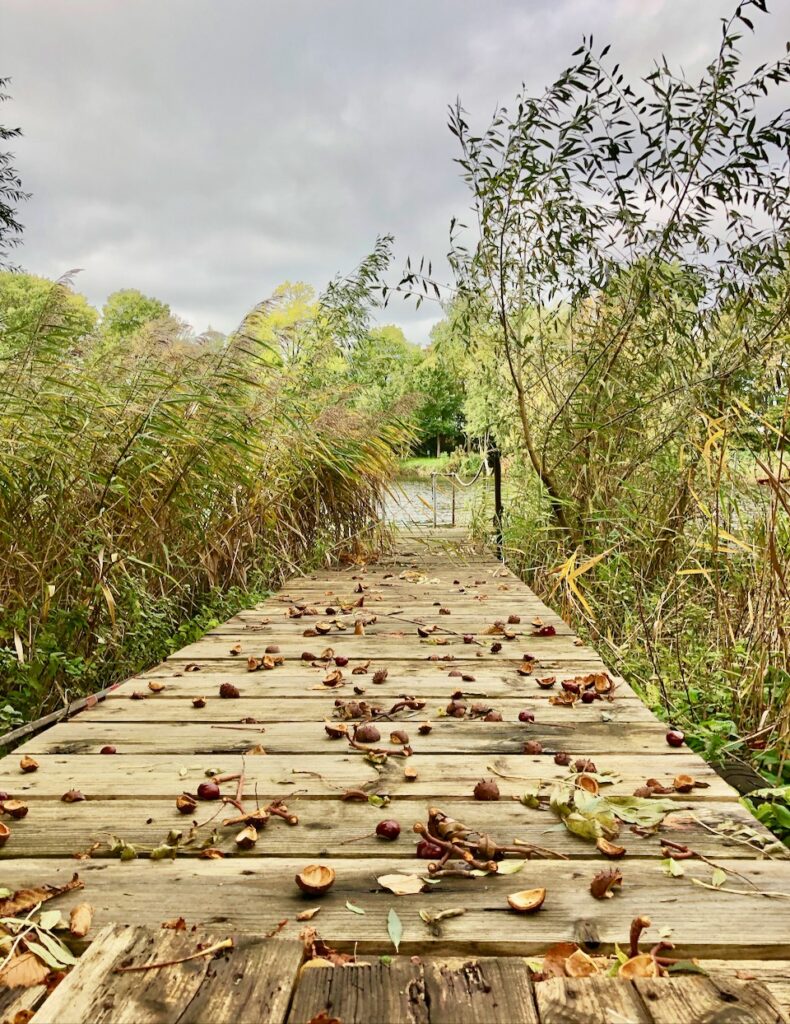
208, 951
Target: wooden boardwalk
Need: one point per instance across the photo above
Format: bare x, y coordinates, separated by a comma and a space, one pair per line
424, 613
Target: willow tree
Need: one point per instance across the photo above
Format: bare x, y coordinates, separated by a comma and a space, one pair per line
626, 252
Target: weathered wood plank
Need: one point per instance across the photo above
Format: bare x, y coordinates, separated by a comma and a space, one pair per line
249, 983
315, 706
589, 1001
255, 894
696, 1000
332, 828
485, 991
448, 735
146, 776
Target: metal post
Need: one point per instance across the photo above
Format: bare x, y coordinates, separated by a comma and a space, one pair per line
452, 506
433, 497
495, 461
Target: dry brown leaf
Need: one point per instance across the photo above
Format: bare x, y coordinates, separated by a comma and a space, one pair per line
25, 899
402, 885
308, 915
23, 970
175, 924
80, 920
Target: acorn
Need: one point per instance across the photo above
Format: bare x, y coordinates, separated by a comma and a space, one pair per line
527, 901
486, 789
367, 733
315, 879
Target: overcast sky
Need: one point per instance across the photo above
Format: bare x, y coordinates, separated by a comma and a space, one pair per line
206, 150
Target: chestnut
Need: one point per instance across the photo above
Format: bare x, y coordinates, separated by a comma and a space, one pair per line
367, 733
486, 789
426, 850
228, 690
675, 738
533, 747
109, 749
315, 879
28, 764
526, 716
388, 829
5, 833
208, 791
562, 757
186, 804
198, 702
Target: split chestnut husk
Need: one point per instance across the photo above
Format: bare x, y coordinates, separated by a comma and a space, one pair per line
315, 879
527, 901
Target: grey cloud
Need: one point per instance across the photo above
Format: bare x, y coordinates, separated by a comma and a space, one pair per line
204, 151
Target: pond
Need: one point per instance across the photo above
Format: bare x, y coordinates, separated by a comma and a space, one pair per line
410, 501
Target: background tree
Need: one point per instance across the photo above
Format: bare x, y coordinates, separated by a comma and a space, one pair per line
127, 310
11, 194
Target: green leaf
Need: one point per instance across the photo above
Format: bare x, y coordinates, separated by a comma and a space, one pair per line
673, 867
49, 919
395, 928
686, 967
385, 961
354, 908
509, 867
719, 877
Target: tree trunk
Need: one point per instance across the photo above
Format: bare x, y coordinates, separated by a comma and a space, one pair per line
438, 445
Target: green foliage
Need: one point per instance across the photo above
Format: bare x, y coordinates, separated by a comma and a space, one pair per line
623, 296
11, 194
29, 304
127, 310
149, 487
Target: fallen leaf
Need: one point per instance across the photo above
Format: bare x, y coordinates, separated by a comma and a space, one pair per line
395, 929
402, 885
23, 970
354, 908
308, 915
80, 920
25, 899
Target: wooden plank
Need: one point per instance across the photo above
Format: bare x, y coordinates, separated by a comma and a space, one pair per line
333, 828
315, 706
485, 991
249, 983
147, 776
448, 735
422, 678
695, 1000
381, 646
361, 994
589, 1001
495, 990
255, 894
774, 974
17, 1005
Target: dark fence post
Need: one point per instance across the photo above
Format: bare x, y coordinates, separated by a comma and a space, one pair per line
495, 462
